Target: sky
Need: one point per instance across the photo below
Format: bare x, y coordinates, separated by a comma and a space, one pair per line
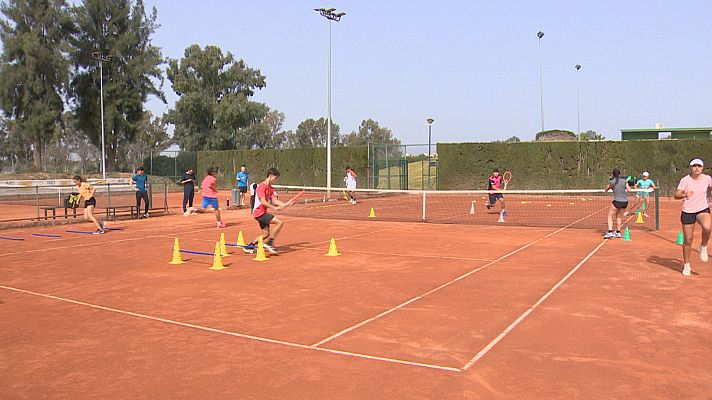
473, 66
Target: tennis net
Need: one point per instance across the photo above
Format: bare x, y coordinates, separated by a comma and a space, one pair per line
538, 208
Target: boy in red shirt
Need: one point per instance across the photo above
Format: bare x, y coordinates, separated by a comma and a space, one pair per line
265, 200
209, 187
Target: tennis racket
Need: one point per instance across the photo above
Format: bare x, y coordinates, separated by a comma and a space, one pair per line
507, 176
293, 199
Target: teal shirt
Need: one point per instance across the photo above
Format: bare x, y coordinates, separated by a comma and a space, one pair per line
140, 182
644, 184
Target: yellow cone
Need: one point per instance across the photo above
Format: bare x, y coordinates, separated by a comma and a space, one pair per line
177, 259
217, 259
223, 246
240, 239
261, 256
372, 214
333, 252
639, 220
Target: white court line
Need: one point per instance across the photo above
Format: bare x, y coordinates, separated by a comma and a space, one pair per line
446, 284
82, 245
521, 318
236, 334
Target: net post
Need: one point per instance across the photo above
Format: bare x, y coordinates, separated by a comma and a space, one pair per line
150, 195
423, 205
108, 194
165, 197
37, 201
657, 209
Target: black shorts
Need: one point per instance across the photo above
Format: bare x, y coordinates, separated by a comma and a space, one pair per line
90, 202
264, 220
690, 218
494, 196
242, 189
621, 205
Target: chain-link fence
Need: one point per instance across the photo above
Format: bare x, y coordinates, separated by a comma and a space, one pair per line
405, 166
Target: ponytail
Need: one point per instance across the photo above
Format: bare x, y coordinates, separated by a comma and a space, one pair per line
617, 175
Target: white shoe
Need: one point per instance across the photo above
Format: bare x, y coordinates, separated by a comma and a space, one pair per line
703, 253
686, 270
609, 235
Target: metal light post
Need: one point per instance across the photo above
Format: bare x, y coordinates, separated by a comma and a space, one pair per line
540, 35
101, 58
430, 130
578, 104
331, 15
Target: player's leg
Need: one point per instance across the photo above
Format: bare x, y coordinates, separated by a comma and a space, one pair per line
688, 230
612, 210
705, 221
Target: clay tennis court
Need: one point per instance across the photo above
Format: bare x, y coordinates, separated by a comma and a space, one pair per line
408, 311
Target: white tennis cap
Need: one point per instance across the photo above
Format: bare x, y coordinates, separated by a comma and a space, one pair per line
646, 173
697, 161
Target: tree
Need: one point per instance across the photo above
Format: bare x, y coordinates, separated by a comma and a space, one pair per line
213, 108
513, 139
267, 133
555, 134
151, 137
590, 135
15, 149
33, 68
115, 29
370, 132
81, 147
313, 133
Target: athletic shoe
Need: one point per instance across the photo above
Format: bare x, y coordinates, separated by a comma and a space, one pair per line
609, 235
99, 232
686, 270
103, 225
703, 253
271, 248
249, 250
221, 224
646, 215
146, 215
618, 234
625, 214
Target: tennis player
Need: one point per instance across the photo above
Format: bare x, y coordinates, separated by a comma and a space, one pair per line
241, 179
496, 182
350, 180
209, 188
265, 201
646, 184
86, 192
694, 191
619, 204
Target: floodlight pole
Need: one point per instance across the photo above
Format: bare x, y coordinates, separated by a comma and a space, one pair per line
578, 103
540, 35
101, 58
430, 130
331, 15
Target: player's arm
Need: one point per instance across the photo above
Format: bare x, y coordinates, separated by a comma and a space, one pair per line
132, 182
682, 193
609, 187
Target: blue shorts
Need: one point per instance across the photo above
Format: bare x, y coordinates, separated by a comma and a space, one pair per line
210, 201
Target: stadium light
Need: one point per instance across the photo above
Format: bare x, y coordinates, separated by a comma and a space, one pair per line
101, 58
430, 130
578, 104
540, 35
330, 15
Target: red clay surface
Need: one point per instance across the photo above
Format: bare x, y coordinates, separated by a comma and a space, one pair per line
408, 311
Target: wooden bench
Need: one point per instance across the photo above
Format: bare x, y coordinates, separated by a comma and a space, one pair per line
46, 210
111, 211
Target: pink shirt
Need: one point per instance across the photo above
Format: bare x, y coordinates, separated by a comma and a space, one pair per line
210, 186
698, 201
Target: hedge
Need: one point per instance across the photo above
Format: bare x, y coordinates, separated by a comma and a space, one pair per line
303, 166
567, 165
